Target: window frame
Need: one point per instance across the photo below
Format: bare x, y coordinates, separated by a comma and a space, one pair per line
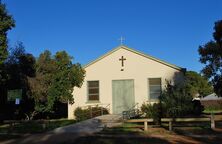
87, 89
149, 91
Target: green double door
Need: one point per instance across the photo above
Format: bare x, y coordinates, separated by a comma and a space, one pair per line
123, 95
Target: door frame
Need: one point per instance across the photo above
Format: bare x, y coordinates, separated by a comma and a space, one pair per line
112, 91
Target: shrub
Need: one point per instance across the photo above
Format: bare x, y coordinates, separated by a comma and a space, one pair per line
177, 101
81, 114
152, 111
90, 112
197, 107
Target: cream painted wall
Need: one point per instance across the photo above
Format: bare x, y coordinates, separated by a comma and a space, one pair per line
136, 67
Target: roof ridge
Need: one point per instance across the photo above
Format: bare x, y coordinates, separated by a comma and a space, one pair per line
137, 52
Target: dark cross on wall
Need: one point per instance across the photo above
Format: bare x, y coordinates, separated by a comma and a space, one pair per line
122, 59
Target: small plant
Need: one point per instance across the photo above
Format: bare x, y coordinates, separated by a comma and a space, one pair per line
81, 114
152, 111
90, 112
197, 107
176, 100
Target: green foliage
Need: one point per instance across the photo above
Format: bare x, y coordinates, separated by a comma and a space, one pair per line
40, 84
6, 23
19, 66
152, 111
81, 114
176, 101
218, 32
90, 112
35, 126
213, 109
198, 108
55, 79
197, 84
211, 57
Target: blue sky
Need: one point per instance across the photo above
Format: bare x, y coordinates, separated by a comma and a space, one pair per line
171, 30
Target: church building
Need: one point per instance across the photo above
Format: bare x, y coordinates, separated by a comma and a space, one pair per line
122, 78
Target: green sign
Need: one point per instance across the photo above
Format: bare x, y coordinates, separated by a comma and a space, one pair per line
13, 94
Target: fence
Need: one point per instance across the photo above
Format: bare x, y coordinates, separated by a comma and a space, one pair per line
170, 121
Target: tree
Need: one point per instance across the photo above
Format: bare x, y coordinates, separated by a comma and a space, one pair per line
218, 32
6, 24
176, 101
66, 77
55, 79
19, 65
197, 84
40, 84
211, 57
20, 62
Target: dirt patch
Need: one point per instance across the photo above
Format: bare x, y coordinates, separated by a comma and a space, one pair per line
130, 135
153, 135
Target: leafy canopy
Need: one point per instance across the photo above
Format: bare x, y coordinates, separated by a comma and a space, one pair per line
211, 57
176, 101
197, 84
55, 79
6, 24
19, 65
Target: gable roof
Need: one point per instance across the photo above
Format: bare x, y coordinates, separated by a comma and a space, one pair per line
136, 52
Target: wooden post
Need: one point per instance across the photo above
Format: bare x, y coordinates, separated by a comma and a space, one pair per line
90, 112
145, 126
212, 121
44, 126
10, 126
170, 125
101, 110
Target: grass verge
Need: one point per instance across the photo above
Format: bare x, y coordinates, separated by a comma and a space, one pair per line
34, 126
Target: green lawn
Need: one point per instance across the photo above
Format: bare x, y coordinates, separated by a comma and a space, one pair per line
129, 133
125, 128
132, 133
209, 111
34, 126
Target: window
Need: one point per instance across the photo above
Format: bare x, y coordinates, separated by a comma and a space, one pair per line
155, 88
93, 90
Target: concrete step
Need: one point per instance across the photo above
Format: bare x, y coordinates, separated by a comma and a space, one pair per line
110, 125
111, 120
110, 117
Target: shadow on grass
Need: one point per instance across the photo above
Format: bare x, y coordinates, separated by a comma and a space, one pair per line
107, 136
125, 135
202, 133
4, 137
117, 140
32, 127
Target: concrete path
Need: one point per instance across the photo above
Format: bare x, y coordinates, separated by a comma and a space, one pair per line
111, 120
88, 126
65, 134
